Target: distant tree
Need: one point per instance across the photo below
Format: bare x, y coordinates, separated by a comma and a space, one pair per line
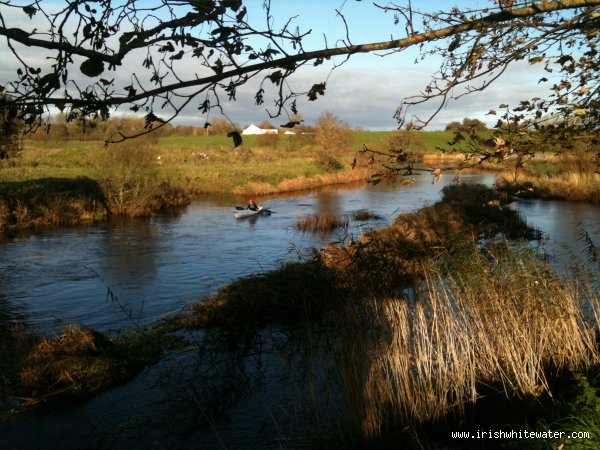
474, 124
266, 125
11, 129
331, 133
220, 126
331, 136
454, 126
466, 125
403, 141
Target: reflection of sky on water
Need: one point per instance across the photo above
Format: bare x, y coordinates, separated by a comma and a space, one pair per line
156, 266
564, 224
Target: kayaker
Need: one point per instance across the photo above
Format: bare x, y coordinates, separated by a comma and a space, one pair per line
252, 206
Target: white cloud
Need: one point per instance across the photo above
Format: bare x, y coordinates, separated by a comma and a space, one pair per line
369, 97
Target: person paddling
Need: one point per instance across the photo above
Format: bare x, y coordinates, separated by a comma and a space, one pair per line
252, 206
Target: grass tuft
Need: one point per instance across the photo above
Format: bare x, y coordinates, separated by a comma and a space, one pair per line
365, 215
322, 223
80, 362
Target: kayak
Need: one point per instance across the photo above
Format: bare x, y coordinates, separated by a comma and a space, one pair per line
249, 213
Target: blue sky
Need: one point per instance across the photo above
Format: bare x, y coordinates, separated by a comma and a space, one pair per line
368, 88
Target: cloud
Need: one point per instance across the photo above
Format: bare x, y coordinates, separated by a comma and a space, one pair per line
368, 97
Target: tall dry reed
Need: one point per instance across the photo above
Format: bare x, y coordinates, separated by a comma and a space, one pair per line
507, 321
322, 223
568, 186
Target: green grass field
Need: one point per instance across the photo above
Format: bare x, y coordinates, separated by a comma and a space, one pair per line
225, 169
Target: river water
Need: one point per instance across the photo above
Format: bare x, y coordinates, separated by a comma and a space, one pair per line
157, 266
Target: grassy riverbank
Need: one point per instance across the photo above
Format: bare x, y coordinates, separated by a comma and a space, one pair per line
77, 182
566, 177
576, 186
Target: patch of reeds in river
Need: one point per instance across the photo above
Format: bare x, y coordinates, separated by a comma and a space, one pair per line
575, 186
322, 223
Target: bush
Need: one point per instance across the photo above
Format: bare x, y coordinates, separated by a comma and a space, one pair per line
267, 140
331, 134
466, 125
129, 177
11, 134
328, 163
405, 141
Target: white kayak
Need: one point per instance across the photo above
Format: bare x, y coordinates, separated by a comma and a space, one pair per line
249, 213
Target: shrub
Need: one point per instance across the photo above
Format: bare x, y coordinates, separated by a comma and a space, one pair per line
328, 162
267, 140
405, 141
129, 177
11, 134
332, 134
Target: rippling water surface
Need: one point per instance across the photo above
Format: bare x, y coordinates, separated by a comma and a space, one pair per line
156, 267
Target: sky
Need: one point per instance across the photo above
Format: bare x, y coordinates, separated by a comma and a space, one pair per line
366, 90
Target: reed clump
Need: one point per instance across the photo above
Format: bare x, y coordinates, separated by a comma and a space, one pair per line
504, 319
80, 362
577, 186
322, 223
365, 215
50, 202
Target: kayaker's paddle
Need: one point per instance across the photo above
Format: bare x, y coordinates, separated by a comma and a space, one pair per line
240, 208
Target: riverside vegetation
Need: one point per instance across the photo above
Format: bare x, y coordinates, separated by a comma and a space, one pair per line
410, 332
54, 181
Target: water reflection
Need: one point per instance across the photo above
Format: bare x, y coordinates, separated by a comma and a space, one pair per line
156, 266
564, 224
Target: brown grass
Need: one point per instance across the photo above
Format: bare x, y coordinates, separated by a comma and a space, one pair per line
49, 202
568, 186
304, 183
81, 362
322, 223
509, 322
365, 216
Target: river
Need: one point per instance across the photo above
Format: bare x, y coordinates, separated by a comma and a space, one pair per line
157, 266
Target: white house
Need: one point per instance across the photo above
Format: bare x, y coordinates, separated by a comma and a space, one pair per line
253, 129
